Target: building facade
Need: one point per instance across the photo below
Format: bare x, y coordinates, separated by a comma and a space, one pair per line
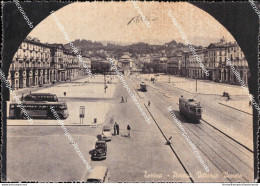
36, 63
125, 62
214, 58
174, 63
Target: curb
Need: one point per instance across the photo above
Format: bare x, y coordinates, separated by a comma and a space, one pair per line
235, 108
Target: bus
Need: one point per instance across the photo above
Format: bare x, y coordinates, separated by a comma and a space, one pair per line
190, 109
143, 87
41, 97
38, 110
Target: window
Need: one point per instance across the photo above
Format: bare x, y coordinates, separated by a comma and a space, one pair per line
192, 109
198, 111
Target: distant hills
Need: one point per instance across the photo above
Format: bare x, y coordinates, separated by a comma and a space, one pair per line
118, 48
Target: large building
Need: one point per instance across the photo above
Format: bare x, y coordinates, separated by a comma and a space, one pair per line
36, 63
174, 63
125, 62
214, 59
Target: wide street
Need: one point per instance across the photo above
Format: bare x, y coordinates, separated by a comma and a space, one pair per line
41, 152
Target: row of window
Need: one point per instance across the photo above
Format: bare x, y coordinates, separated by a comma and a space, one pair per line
33, 47
32, 54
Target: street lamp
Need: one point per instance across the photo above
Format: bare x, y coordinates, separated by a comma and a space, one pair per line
105, 85
169, 75
196, 76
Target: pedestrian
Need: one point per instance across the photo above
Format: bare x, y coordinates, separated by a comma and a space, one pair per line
129, 129
117, 128
250, 103
125, 99
169, 141
149, 103
122, 99
64, 93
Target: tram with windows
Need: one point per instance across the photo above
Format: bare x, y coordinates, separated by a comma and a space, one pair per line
38, 110
41, 97
191, 109
143, 87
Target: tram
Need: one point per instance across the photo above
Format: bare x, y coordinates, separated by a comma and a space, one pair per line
41, 97
190, 109
38, 110
143, 87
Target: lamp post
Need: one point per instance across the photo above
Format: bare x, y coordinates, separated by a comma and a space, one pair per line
196, 76
105, 85
168, 75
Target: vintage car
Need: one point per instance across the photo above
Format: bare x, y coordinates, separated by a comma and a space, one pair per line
106, 133
100, 151
99, 174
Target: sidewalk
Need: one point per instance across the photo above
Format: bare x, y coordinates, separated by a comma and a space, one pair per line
32, 89
238, 104
203, 86
92, 96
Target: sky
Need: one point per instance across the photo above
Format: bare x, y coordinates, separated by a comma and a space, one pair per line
108, 21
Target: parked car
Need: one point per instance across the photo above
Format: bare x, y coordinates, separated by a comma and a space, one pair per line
107, 133
100, 151
99, 174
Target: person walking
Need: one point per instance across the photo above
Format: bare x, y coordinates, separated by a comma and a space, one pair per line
117, 128
125, 99
129, 129
250, 103
149, 103
122, 100
169, 141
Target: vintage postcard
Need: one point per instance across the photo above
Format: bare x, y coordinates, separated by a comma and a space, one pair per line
129, 92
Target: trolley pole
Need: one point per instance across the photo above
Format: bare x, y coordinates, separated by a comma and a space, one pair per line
196, 83
196, 76
105, 86
169, 76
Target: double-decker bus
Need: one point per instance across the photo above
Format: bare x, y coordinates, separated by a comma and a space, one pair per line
190, 109
38, 110
41, 97
143, 87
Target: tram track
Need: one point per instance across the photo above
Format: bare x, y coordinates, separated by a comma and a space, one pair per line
225, 137
206, 122
176, 155
248, 149
211, 148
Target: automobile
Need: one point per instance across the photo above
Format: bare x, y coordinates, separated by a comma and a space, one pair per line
143, 87
106, 133
41, 85
54, 81
99, 174
100, 151
156, 74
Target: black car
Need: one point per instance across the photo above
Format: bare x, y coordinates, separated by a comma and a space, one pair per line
100, 151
